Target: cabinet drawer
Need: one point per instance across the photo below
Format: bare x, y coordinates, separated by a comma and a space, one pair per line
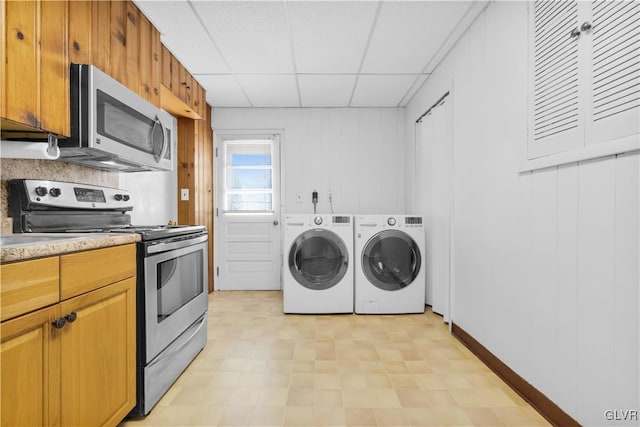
28, 285
85, 271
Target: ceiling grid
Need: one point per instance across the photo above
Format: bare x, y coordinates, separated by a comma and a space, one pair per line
310, 53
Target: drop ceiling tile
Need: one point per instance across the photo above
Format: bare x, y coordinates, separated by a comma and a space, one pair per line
326, 90
223, 91
252, 36
408, 34
381, 90
270, 90
183, 34
413, 89
330, 36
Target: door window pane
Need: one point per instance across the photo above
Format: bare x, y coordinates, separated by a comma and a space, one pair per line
248, 176
251, 160
249, 201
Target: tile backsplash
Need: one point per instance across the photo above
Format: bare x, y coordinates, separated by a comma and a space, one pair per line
48, 170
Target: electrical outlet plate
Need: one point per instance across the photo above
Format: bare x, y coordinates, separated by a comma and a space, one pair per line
298, 198
184, 194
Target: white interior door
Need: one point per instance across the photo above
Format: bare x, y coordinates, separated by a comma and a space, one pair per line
248, 215
434, 175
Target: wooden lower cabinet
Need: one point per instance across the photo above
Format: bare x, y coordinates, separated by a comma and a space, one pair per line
80, 374
98, 380
29, 363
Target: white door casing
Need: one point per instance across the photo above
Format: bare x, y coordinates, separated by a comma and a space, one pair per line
248, 233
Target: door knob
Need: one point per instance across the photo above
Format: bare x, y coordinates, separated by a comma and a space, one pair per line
275, 222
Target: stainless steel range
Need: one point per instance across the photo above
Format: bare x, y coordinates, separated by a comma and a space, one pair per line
172, 272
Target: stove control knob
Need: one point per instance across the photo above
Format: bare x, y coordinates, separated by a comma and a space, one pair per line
55, 192
118, 197
125, 197
391, 221
317, 220
41, 191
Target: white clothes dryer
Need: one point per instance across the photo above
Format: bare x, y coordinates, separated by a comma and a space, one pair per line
390, 275
318, 264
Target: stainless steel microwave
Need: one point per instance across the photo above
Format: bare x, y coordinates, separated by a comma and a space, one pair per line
114, 128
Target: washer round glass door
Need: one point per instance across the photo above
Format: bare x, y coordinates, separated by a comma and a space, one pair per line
318, 259
391, 260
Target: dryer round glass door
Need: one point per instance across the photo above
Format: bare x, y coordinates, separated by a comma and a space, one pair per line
318, 259
391, 260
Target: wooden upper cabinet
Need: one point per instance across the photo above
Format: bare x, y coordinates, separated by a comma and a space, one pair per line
156, 66
132, 79
178, 87
146, 53
80, 14
175, 76
41, 38
199, 102
118, 41
36, 65
166, 68
54, 68
101, 34
20, 80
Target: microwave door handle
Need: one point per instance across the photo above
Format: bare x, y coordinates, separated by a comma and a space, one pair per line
165, 144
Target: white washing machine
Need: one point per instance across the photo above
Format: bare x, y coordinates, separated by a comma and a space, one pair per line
318, 264
390, 271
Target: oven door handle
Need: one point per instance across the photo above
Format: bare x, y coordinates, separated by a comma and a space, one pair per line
169, 246
192, 330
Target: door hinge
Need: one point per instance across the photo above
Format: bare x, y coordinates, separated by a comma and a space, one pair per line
217, 271
216, 151
216, 212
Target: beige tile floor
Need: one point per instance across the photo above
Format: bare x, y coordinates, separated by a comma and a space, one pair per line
263, 368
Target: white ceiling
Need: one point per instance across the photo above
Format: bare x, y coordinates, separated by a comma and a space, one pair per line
309, 53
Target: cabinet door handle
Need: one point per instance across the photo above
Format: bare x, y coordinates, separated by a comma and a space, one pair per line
59, 323
586, 26
575, 33
71, 317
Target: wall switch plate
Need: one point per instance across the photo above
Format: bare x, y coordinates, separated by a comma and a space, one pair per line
298, 198
184, 194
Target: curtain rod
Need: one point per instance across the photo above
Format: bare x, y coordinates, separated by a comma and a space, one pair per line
432, 107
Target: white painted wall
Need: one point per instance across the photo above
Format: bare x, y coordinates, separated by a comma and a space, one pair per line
546, 263
356, 153
154, 196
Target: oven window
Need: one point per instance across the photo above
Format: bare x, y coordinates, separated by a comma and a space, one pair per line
179, 281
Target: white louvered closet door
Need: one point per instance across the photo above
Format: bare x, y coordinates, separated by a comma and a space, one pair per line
585, 76
556, 119
615, 94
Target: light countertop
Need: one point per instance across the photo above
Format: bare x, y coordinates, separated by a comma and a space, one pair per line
69, 242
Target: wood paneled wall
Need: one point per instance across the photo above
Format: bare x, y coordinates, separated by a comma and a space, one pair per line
195, 173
